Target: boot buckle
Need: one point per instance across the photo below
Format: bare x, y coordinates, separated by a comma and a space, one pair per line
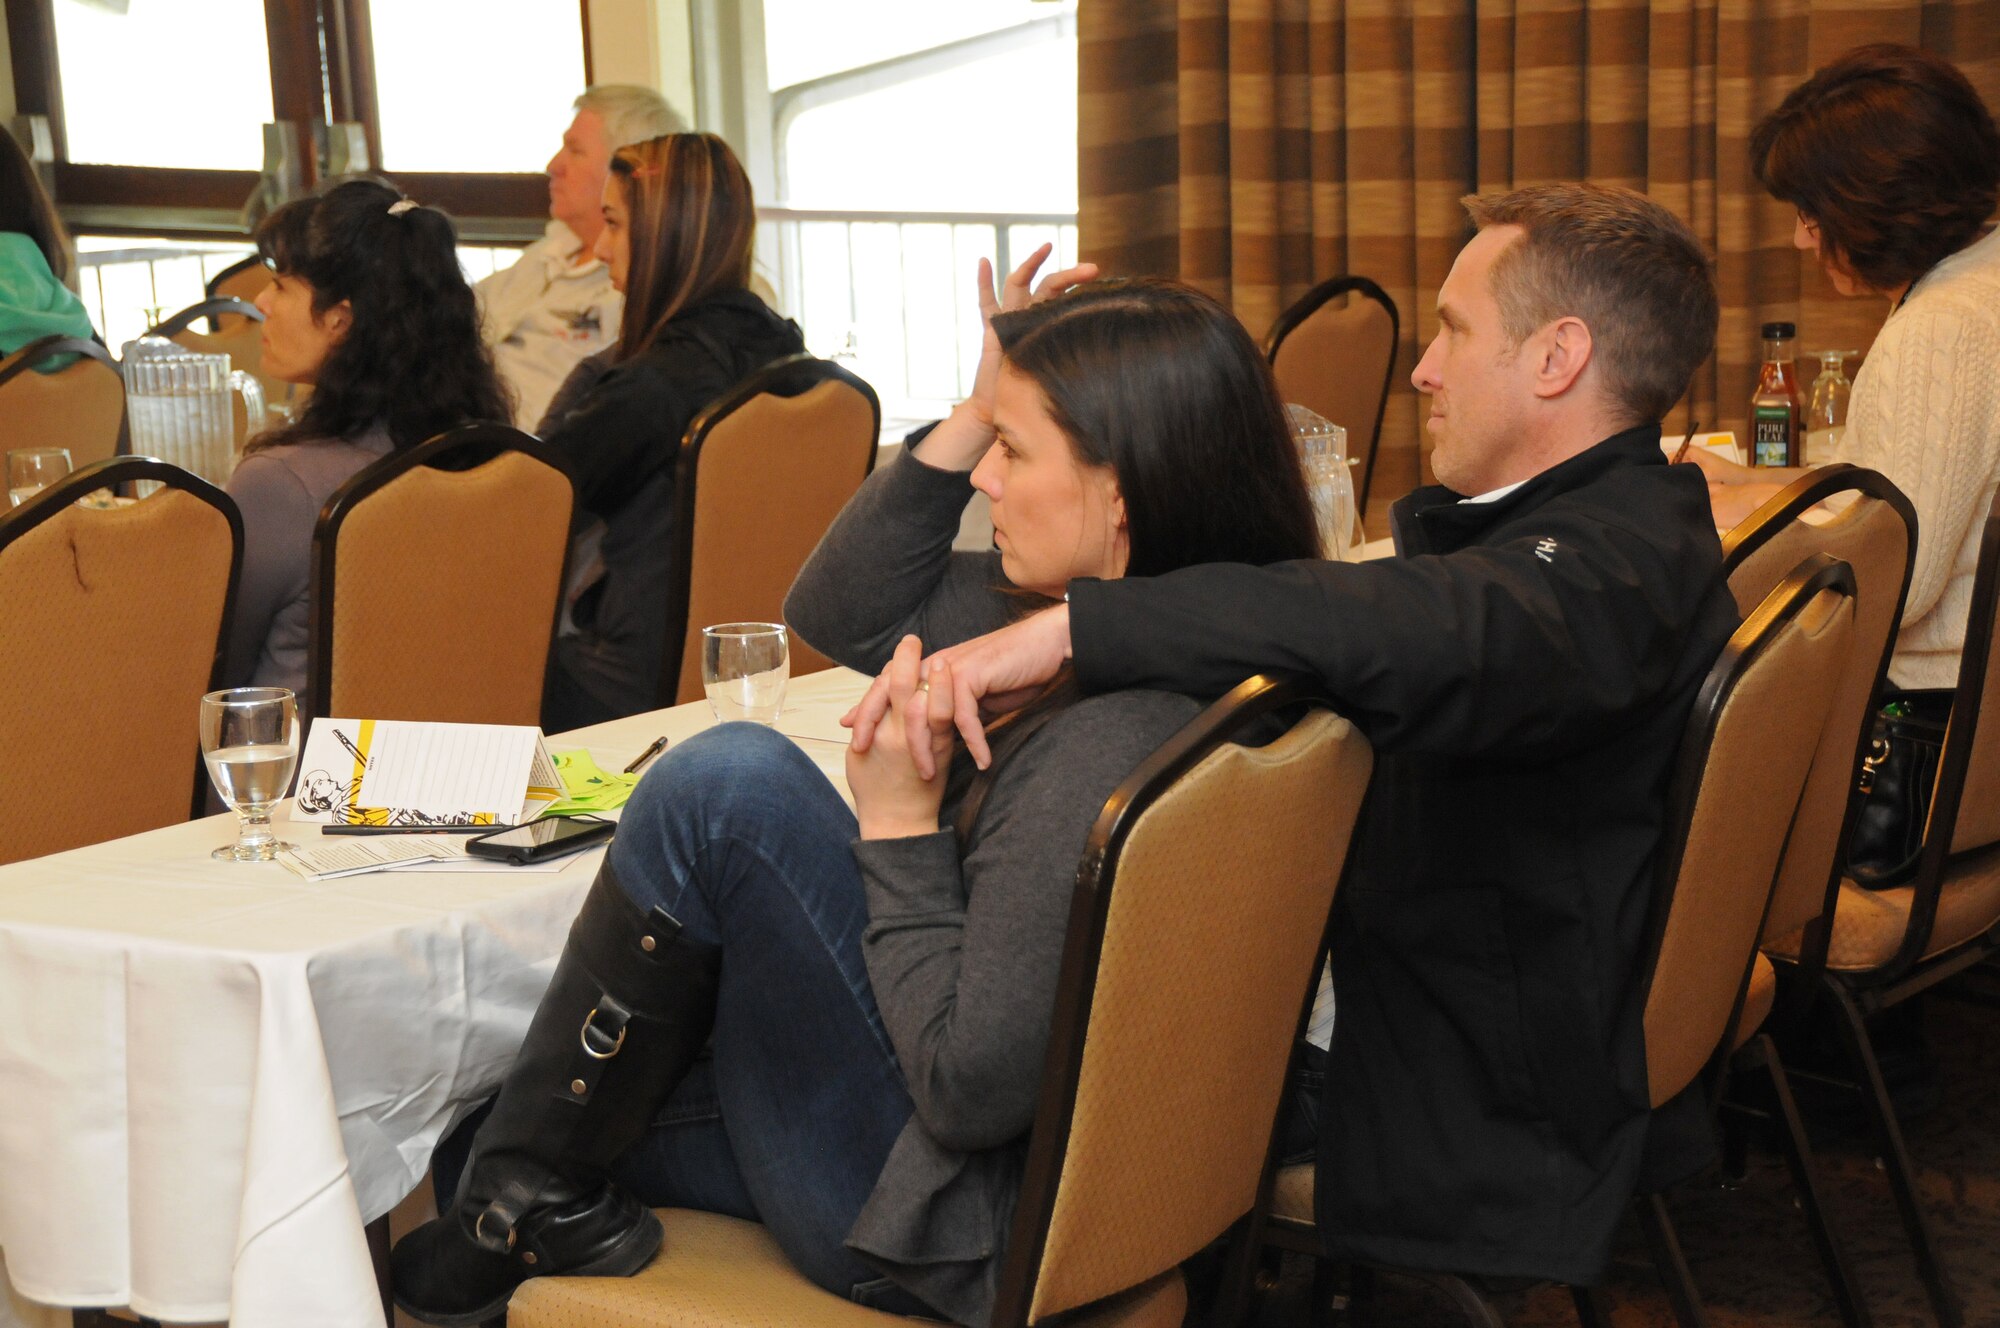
590, 1027
479, 1231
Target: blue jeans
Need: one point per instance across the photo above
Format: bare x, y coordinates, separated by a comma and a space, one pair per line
788, 1122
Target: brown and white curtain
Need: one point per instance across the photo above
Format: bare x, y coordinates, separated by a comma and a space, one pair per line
1254, 147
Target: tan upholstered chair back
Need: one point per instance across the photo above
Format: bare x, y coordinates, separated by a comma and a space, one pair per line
1743, 764
80, 407
110, 625
1333, 352
435, 591
1876, 535
1975, 718
244, 281
761, 478
1202, 906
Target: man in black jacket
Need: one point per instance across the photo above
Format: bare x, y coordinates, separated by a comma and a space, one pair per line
1524, 668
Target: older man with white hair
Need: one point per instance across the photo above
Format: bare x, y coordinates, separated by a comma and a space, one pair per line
555, 306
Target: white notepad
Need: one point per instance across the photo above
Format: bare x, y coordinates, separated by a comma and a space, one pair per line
402, 772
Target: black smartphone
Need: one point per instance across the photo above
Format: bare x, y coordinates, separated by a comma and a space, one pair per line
538, 841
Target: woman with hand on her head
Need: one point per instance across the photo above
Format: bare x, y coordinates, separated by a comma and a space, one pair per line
877, 985
369, 309
679, 219
1893, 163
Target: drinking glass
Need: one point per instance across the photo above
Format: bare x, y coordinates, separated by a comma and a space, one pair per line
250, 740
32, 469
744, 667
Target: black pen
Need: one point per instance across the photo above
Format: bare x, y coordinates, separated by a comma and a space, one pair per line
659, 744
411, 829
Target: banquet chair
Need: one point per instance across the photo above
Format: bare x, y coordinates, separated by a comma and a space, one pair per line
80, 406
1887, 946
114, 624
762, 473
435, 578
1741, 767
1202, 895
244, 280
240, 338
1337, 356
1876, 534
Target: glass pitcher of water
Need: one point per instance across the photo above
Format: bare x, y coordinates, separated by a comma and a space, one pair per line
1323, 452
178, 402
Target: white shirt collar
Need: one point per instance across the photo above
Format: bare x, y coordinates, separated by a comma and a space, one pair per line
563, 247
1493, 495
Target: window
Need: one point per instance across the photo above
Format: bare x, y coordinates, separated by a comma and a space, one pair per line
115, 62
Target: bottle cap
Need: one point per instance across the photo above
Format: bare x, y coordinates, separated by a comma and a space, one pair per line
1774, 330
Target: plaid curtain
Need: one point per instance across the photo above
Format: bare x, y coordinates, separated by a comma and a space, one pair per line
1254, 147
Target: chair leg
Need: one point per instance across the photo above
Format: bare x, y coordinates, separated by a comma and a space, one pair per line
1240, 1261
1895, 1158
1325, 1286
1805, 1177
1669, 1262
1593, 1307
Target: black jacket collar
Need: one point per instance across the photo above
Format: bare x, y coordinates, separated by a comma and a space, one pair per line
1435, 519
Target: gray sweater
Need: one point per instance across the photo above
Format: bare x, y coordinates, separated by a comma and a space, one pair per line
280, 491
962, 950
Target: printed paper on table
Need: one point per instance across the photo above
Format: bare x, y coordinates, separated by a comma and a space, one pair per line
401, 772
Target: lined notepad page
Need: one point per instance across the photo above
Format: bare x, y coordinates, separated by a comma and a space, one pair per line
442, 769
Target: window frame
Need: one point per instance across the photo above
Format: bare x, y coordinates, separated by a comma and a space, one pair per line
322, 65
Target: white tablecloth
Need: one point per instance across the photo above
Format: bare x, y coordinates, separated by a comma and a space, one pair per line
212, 1075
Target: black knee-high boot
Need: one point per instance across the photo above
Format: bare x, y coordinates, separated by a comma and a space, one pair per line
628, 1010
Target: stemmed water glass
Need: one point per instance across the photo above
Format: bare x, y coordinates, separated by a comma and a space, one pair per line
250, 740
744, 668
32, 469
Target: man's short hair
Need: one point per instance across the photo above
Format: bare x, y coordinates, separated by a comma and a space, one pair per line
1630, 269
631, 114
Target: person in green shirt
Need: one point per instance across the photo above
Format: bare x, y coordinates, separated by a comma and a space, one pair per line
34, 260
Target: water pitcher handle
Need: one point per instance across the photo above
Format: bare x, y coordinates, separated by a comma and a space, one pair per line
252, 393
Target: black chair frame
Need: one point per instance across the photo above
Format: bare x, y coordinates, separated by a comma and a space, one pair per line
243, 264
462, 448
1308, 304
118, 472
211, 309
791, 376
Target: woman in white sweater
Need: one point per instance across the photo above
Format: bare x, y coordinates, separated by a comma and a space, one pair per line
1893, 163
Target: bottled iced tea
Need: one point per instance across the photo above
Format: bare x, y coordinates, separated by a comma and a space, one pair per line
1775, 410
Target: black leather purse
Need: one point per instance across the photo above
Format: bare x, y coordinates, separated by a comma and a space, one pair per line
1898, 774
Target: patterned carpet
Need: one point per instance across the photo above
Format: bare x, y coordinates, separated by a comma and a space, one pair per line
1748, 1246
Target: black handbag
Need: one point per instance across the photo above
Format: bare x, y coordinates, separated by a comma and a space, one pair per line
1898, 773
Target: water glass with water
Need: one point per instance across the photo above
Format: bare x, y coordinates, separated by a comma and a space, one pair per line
1329, 481
744, 667
32, 469
250, 742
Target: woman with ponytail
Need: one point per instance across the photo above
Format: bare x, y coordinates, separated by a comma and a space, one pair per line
370, 310
678, 222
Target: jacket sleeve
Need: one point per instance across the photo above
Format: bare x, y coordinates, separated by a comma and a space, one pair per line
963, 957
1532, 644
619, 433
885, 569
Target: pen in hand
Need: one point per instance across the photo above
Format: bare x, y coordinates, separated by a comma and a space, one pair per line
658, 745
1680, 453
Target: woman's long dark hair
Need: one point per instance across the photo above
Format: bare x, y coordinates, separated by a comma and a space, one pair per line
26, 207
411, 361
693, 219
1163, 385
